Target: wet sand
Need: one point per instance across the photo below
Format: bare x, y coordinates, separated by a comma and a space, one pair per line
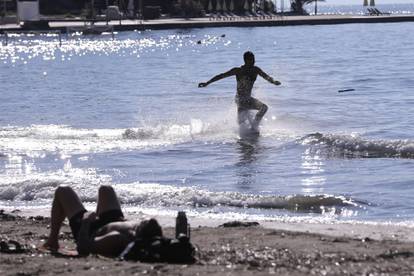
240, 250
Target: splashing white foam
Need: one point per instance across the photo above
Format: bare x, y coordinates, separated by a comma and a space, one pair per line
60, 138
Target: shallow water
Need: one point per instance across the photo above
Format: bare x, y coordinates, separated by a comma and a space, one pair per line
128, 112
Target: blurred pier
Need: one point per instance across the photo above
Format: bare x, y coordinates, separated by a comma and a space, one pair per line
210, 22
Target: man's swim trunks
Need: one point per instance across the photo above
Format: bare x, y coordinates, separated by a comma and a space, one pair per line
245, 103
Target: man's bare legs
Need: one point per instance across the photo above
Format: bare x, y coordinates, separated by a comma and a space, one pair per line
66, 204
259, 116
243, 114
261, 113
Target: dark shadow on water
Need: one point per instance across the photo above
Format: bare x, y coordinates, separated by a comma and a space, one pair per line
246, 168
248, 149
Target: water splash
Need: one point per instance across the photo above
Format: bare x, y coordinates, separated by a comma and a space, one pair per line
69, 140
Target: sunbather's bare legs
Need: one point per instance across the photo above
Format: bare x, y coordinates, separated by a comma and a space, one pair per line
107, 200
66, 204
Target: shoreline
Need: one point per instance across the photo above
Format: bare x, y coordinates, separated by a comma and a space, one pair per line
253, 250
208, 22
349, 229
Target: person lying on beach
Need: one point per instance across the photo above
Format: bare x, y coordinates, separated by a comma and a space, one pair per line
105, 232
246, 76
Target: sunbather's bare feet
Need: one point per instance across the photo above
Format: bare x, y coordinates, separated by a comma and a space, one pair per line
50, 246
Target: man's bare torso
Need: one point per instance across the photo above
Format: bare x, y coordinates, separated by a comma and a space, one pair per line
245, 76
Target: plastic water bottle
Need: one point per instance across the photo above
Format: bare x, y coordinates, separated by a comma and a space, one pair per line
181, 225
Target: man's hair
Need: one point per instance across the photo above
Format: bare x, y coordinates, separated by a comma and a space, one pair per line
248, 55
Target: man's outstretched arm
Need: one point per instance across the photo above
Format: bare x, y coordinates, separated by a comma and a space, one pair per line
268, 78
230, 73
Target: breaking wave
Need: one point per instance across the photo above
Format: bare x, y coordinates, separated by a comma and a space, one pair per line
40, 188
356, 146
170, 196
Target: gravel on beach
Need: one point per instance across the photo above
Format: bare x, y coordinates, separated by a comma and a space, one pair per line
235, 249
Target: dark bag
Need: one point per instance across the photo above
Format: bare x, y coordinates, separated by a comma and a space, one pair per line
160, 249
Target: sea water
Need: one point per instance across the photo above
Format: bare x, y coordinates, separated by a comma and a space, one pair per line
127, 112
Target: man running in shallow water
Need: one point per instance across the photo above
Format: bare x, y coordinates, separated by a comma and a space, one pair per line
246, 76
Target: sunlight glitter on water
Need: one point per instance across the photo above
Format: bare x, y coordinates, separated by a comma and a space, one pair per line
25, 47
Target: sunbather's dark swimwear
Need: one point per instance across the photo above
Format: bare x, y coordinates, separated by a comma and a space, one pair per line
105, 218
246, 75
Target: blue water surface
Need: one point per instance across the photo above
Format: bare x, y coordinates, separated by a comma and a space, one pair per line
128, 112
